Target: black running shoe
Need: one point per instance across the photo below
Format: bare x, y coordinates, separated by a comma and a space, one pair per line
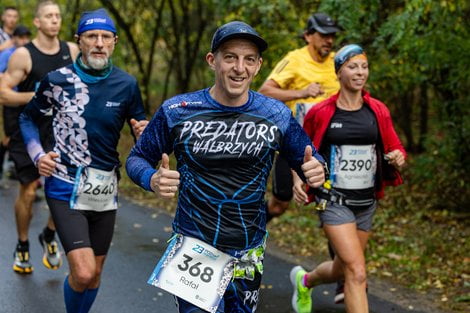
339, 295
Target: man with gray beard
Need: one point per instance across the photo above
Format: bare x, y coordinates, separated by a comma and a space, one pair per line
91, 100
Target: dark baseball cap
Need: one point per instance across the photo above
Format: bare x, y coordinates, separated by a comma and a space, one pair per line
21, 30
237, 29
322, 23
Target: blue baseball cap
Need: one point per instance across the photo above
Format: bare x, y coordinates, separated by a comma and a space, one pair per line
98, 19
346, 53
237, 29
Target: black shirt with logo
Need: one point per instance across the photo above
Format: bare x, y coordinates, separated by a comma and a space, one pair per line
351, 128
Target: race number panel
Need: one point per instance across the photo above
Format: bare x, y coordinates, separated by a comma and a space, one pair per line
95, 190
194, 271
354, 166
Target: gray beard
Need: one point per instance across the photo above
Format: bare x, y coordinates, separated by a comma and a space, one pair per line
97, 63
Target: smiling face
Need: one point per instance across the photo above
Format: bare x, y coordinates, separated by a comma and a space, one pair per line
235, 64
97, 46
354, 73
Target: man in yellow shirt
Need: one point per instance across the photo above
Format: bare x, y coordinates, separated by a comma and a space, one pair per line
302, 78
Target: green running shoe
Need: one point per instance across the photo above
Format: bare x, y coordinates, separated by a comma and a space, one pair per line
302, 297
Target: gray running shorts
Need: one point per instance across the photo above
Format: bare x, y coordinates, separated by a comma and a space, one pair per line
336, 214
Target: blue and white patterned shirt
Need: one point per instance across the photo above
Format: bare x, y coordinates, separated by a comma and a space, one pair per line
224, 156
87, 121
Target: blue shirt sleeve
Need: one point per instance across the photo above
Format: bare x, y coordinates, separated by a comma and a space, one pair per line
5, 57
147, 152
37, 107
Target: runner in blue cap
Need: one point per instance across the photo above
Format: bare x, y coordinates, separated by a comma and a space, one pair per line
91, 100
224, 139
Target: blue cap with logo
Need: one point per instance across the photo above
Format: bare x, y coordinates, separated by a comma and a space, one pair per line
237, 29
98, 19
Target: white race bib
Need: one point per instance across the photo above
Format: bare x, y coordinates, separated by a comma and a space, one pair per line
194, 271
353, 167
301, 109
94, 190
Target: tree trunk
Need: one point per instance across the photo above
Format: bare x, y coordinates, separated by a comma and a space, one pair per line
423, 116
405, 119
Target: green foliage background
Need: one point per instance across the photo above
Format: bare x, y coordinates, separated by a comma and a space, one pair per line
419, 54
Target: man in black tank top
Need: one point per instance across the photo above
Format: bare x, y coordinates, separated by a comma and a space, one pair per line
28, 65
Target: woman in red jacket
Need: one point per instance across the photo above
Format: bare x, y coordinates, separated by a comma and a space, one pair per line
355, 134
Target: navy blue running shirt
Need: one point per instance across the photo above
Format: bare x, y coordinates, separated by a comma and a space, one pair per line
87, 121
224, 156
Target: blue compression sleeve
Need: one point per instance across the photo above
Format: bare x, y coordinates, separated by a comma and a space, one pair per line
73, 299
90, 296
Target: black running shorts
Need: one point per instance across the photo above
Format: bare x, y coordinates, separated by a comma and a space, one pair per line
82, 229
25, 168
10, 118
26, 171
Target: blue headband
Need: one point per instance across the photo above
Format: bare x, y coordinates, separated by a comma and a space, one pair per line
345, 53
98, 19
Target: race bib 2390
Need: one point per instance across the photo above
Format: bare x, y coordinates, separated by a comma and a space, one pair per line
353, 166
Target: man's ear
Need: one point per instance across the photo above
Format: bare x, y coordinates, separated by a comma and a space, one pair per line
36, 22
210, 58
259, 65
77, 39
308, 37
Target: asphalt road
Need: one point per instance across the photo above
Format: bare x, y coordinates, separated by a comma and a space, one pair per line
139, 240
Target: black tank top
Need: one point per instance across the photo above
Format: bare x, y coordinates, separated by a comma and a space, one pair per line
43, 64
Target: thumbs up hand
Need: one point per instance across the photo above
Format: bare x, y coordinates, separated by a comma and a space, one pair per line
138, 127
165, 162
313, 169
308, 154
165, 181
